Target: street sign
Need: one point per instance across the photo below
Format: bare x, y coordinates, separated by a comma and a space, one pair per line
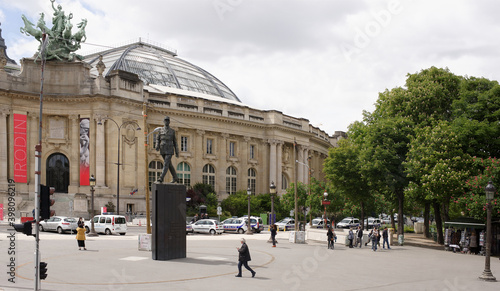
219, 210
326, 202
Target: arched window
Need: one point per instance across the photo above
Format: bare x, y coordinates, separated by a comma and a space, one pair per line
155, 169
284, 181
252, 178
57, 174
231, 180
209, 175
184, 173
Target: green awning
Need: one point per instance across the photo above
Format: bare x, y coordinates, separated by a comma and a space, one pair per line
459, 224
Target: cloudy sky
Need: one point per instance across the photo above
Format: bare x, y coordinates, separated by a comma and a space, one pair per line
323, 60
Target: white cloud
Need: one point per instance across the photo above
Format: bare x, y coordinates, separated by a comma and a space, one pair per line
287, 55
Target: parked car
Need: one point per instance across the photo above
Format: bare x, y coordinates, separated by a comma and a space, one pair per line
108, 224
189, 228
348, 222
61, 224
318, 222
286, 224
373, 222
255, 222
211, 226
236, 225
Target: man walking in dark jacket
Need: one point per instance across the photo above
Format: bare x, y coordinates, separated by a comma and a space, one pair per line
244, 258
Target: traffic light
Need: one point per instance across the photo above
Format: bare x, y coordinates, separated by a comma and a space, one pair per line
43, 270
23, 227
46, 202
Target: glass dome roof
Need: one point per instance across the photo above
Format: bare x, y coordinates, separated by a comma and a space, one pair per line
159, 66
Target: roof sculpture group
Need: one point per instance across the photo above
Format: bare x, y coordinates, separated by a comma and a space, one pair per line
62, 43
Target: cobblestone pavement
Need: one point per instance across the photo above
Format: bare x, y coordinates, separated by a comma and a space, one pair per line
115, 263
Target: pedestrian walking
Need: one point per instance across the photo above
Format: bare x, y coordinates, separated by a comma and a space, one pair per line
374, 239
273, 234
359, 236
350, 237
378, 237
80, 237
244, 258
330, 234
385, 236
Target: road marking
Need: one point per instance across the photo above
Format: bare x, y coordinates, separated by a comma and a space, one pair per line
134, 258
212, 258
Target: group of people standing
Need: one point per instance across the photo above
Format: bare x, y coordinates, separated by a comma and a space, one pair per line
374, 236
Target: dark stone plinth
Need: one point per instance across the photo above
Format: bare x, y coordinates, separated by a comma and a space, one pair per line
169, 222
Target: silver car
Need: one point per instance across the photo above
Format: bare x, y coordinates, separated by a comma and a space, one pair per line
211, 226
61, 224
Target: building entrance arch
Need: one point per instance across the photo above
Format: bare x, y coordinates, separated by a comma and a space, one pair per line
57, 173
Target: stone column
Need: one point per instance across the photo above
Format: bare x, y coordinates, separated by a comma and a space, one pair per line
221, 165
300, 167
3, 146
279, 169
74, 176
305, 161
100, 154
272, 162
196, 175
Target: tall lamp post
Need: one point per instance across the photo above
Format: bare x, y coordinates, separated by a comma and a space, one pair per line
118, 159
309, 183
92, 190
325, 202
249, 229
490, 192
272, 190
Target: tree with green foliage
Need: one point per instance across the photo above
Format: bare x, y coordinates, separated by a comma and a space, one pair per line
437, 167
472, 202
344, 169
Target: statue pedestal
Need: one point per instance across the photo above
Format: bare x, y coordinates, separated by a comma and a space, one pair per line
168, 231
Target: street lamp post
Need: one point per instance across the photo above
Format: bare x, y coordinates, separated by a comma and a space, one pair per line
490, 193
118, 159
92, 190
272, 190
324, 215
249, 229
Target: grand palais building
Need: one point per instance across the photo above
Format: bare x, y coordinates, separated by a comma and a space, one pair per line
99, 117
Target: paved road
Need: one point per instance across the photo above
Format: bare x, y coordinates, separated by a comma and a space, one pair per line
114, 263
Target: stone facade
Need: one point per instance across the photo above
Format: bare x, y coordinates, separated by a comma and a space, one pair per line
241, 137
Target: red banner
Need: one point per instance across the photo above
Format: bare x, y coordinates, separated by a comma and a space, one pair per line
84, 152
20, 149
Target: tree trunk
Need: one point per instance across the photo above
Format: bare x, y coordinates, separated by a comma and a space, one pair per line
401, 220
439, 222
393, 223
446, 210
363, 215
427, 210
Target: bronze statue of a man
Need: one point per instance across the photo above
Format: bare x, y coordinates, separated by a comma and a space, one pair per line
166, 143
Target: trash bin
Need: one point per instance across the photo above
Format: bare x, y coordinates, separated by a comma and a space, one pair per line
401, 239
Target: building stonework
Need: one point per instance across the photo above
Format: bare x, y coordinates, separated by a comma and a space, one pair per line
228, 144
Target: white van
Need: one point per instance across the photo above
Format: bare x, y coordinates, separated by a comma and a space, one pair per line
108, 224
